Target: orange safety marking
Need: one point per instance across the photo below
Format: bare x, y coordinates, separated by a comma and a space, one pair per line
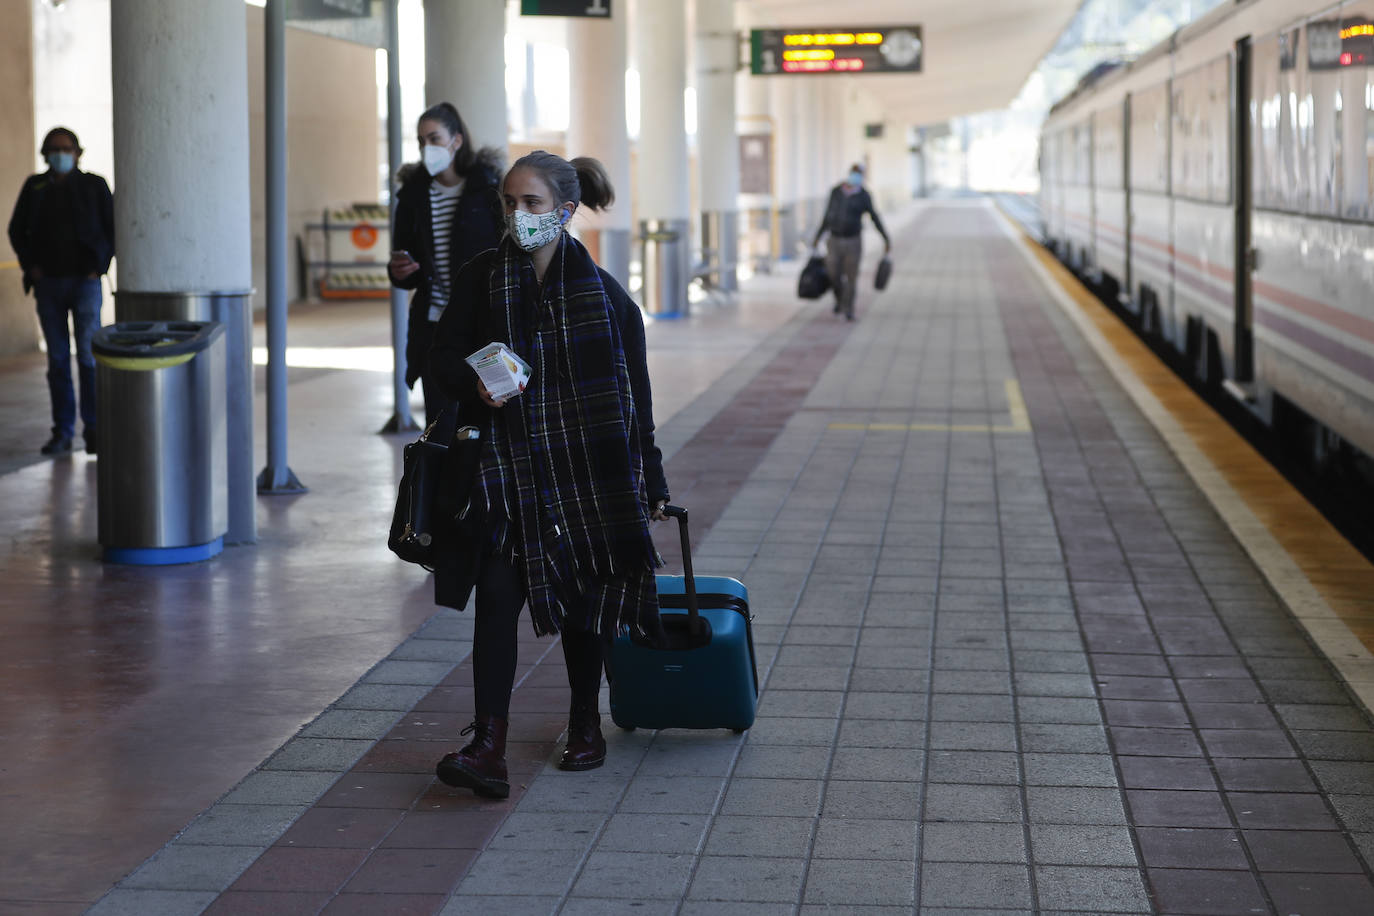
364, 236
1339, 572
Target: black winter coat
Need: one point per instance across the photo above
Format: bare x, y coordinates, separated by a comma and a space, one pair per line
93, 210
465, 330
478, 223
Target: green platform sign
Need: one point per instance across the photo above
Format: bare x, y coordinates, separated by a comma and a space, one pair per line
328, 9
842, 49
595, 9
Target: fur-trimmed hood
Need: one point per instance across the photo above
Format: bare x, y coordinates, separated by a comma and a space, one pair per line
489, 167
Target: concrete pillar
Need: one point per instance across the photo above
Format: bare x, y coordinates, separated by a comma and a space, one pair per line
717, 142
180, 74
183, 203
813, 174
598, 51
796, 134
754, 118
465, 63
660, 36
18, 150
833, 103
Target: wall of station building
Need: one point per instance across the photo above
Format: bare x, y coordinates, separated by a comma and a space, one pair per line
57, 63
18, 324
55, 70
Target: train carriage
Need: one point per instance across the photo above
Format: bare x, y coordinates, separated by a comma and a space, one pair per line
1245, 140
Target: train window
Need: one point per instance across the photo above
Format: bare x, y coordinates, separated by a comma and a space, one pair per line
1218, 121
1063, 168
1082, 153
1107, 159
1265, 109
1150, 139
1324, 103
1201, 140
1356, 125
1294, 122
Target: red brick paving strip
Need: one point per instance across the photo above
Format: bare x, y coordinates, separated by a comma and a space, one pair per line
388, 837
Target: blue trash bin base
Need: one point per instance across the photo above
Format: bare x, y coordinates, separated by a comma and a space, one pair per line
164, 556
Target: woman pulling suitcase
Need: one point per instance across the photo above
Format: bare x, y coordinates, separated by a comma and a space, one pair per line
569, 475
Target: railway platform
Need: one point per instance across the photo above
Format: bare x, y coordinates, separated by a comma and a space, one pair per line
1035, 634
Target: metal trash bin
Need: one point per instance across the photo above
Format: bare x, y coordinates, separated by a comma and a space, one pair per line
663, 260
233, 309
162, 493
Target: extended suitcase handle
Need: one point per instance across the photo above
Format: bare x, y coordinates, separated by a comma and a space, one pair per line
689, 580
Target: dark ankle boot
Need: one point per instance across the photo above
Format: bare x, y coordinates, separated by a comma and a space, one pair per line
481, 764
586, 748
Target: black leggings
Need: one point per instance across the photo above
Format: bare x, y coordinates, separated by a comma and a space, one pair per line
500, 595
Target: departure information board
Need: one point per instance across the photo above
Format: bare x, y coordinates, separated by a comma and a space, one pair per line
575, 8
871, 49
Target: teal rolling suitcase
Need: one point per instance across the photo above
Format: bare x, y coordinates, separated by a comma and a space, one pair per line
702, 674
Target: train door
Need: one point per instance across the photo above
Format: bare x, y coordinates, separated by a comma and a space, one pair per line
1128, 215
1244, 362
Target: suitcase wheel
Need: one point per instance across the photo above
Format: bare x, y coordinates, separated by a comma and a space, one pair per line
738, 731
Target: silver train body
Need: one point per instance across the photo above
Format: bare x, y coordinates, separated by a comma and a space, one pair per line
1221, 187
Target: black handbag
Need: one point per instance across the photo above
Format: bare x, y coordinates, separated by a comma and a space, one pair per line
814, 279
439, 469
884, 273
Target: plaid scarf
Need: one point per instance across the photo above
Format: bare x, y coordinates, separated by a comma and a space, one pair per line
563, 480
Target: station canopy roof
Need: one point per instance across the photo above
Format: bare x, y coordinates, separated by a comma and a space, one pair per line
977, 54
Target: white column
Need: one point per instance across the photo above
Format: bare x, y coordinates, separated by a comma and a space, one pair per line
183, 217
465, 63
180, 77
717, 142
598, 52
837, 160
796, 135
660, 34
814, 179
753, 118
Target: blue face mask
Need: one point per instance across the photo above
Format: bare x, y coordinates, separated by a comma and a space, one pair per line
61, 162
856, 178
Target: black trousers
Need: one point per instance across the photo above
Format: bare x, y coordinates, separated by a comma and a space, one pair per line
495, 651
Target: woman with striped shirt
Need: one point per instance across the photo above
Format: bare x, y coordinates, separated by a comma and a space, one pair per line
448, 209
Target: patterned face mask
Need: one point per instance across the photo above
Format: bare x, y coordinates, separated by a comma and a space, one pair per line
535, 230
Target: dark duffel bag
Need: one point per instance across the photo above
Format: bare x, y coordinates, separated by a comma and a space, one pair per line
814, 280
884, 273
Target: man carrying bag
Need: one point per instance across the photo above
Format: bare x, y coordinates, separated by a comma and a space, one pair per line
844, 213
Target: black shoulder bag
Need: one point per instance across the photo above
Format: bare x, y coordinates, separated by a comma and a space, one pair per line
439, 469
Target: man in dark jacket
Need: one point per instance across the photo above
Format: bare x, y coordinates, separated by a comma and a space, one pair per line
843, 219
63, 232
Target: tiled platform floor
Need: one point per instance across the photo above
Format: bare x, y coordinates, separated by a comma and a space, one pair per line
1013, 663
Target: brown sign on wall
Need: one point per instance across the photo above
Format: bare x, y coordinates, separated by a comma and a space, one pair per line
756, 164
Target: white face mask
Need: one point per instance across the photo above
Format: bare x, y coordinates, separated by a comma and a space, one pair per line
436, 158
535, 230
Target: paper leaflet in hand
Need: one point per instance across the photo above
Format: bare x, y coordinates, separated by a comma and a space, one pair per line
504, 373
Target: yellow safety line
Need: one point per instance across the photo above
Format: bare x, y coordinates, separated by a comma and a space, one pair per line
9, 265
1016, 406
1325, 581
